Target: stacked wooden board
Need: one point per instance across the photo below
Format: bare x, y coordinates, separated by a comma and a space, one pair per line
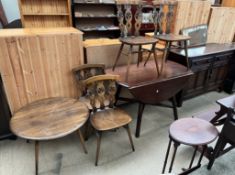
228, 3
45, 13
37, 63
221, 25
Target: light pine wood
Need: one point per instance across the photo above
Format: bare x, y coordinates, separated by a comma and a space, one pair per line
45, 13
228, 3
38, 63
221, 25
104, 51
190, 13
49, 118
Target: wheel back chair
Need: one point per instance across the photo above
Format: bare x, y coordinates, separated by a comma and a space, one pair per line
226, 136
130, 24
163, 17
101, 90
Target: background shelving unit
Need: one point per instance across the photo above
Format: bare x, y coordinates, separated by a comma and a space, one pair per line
45, 13
96, 18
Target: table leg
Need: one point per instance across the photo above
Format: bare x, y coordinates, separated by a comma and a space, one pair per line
36, 156
155, 57
139, 119
174, 108
82, 141
118, 56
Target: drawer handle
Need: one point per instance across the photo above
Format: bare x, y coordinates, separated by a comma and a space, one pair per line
157, 91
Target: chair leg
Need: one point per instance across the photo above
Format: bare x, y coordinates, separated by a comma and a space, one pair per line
82, 141
216, 152
99, 135
36, 156
129, 135
167, 154
118, 56
165, 55
192, 160
139, 55
129, 62
150, 52
155, 58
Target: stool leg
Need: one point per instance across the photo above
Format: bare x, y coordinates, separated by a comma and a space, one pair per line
155, 58
118, 56
167, 154
176, 144
186, 53
129, 61
36, 156
192, 160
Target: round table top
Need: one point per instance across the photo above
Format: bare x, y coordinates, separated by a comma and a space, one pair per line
49, 118
193, 131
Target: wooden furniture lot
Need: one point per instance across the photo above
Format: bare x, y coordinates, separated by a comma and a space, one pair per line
210, 64
37, 63
49, 119
192, 132
157, 88
101, 90
45, 13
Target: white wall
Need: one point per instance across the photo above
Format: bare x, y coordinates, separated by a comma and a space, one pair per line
11, 9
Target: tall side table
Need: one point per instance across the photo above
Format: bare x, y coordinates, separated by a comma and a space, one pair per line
49, 119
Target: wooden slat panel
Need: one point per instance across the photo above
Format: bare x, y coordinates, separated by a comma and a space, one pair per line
37, 64
190, 13
222, 25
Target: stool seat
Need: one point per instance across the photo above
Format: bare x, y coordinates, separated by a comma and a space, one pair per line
139, 40
193, 131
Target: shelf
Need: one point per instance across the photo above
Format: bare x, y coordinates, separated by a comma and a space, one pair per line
97, 29
95, 3
89, 16
46, 14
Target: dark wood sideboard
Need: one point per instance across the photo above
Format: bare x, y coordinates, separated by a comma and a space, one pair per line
5, 114
212, 67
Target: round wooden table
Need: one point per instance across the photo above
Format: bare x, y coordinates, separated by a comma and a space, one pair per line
48, 119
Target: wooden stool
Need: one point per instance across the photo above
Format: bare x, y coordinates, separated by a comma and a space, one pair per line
193, 132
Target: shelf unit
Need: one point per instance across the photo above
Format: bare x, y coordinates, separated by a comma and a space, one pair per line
96, 18
45, 13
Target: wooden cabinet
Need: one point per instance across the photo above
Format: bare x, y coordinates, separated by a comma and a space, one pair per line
210, 65
45, 13
96, 18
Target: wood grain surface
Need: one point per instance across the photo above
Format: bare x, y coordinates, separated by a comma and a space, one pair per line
49, 118
38, 63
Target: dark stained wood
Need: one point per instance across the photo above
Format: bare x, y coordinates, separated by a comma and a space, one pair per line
208, 49
110, 119
3, 18
210, 64
172, 37
228, 102
140, 40
193, 131
49, 118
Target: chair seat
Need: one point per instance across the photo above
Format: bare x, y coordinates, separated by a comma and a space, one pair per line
110, 119
139, 40
193, 131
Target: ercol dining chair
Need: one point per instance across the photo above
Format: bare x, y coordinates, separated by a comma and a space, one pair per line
101, 91
226, 136
130, 32
163, 17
